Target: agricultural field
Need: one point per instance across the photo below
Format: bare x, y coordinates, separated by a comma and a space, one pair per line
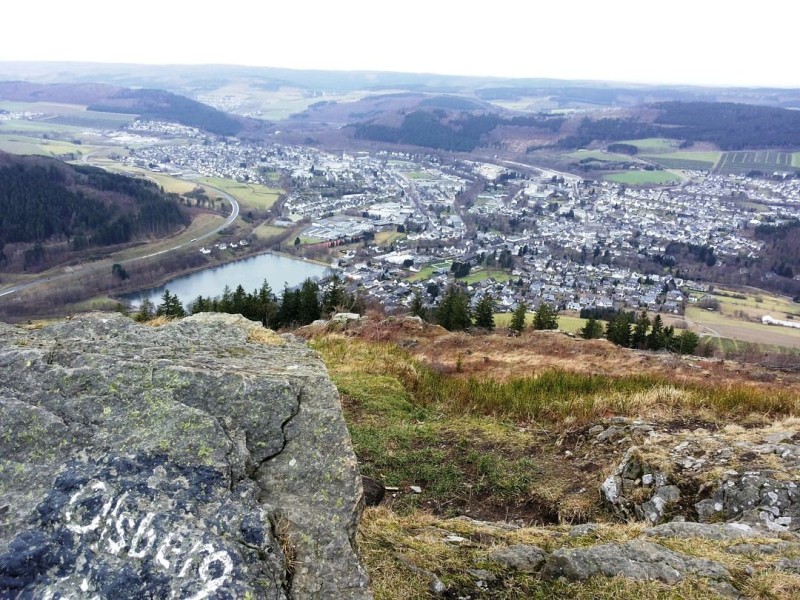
760, 160
427, 272
796, 160
23, 144
690, 161
653, 145
266, 230
250, 195
601, 156
645, 177
170, 184
565, 323
483, 274
730, 326
385, 238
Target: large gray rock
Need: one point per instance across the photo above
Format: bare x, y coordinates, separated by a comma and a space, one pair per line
709, 531
520, 557
204, 458
636, 559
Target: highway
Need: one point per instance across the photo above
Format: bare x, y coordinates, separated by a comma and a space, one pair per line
90, 267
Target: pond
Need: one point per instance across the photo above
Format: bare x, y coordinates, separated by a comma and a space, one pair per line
249, 272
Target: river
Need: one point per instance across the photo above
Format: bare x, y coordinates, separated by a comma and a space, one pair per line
249, 272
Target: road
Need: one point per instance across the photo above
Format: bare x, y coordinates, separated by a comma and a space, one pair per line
90, 267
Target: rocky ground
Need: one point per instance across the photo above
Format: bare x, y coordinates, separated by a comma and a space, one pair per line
685, 487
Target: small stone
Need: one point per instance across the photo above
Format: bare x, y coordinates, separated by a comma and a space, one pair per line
595, 430
583, 529
415, 488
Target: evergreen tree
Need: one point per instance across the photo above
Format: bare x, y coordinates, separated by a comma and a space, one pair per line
453, 313
517, 324
618, 329
484, 313
545, 317
264, 305
146, 311
592, 329
657, 338
418, 307
289, 309
687, 342
334, 297
200, 304
170, 306
639, 336
309, 309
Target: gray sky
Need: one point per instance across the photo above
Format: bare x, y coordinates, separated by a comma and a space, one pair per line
707, 42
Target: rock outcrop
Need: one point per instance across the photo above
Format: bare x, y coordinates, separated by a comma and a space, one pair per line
204, 458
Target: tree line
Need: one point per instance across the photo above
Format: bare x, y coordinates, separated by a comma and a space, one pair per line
629, 331
40, 203
296, 306
455, 312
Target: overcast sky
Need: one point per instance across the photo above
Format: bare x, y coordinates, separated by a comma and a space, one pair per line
681, 41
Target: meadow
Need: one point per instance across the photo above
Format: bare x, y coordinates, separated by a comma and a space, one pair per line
645, 177
249, 195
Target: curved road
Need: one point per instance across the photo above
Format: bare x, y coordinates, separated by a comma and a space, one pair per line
90, 267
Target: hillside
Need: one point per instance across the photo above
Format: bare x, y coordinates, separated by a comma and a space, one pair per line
147, 103
543, 466
47, 207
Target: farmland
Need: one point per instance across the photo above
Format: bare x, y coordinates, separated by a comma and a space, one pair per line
601, 156
653, 145
761, 160
251, 195
692, 161
644, 177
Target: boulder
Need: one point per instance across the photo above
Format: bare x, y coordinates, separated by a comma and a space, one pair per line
520, 557
633, 478
710, 531
374, 491
204, 458
637, 559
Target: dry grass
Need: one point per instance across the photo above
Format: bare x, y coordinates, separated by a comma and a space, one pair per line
398, 551
262, 335
159, 321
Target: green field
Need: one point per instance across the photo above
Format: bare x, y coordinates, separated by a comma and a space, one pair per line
265, 230
22, 144
644, 177
796, 160
601, 156
759, 160
483, 274
427, 272
170, 184
250, 195
653, 145
385, 238
569, 324
692, 161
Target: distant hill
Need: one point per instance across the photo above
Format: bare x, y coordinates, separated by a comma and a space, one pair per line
48, 204
147, 103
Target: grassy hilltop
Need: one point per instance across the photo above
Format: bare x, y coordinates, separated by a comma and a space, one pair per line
487, 442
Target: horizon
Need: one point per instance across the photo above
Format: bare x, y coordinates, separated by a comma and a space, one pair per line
686, 43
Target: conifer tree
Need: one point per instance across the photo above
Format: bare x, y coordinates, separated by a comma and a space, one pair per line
517, 324
484, 313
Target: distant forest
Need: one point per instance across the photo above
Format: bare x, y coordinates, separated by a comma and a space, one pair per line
41, 202
464, 134
730, 126
165, 106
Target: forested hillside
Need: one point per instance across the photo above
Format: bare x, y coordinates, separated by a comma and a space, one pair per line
43, 200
